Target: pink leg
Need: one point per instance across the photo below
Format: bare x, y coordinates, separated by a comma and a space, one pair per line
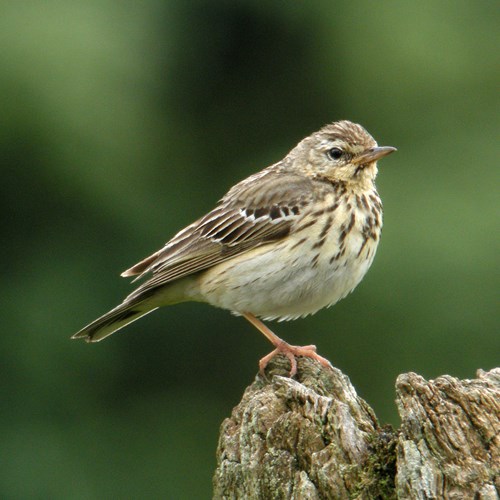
282, 347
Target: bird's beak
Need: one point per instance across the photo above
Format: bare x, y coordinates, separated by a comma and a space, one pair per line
373, 154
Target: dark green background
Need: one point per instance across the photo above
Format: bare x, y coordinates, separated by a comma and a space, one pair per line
122, 122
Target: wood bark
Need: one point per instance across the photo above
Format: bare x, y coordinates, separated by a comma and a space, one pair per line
313, 437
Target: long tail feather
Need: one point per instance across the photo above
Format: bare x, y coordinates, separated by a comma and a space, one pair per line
113, 321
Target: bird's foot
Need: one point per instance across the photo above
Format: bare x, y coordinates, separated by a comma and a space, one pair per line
291, 352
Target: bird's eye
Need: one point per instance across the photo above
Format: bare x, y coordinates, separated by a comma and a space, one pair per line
335, 153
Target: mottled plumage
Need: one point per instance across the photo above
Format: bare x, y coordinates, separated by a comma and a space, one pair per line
283, 243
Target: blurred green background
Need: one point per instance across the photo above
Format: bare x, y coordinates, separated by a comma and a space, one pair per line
122, 122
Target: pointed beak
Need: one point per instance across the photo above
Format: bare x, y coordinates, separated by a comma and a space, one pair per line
373, 154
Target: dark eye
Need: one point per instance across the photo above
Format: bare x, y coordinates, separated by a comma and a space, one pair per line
335, 153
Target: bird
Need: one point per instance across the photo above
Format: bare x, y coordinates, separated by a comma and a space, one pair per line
292, 239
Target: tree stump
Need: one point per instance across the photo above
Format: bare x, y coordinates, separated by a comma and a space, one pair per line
312, 437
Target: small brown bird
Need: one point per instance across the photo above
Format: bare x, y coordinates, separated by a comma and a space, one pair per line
283, 243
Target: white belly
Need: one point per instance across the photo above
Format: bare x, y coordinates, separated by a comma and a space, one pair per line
278, 282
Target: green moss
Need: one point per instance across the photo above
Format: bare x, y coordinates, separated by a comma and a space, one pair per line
377, 474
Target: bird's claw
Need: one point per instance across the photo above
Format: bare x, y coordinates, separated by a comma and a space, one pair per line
291, 352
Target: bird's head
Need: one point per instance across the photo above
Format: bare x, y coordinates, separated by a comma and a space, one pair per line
340, 152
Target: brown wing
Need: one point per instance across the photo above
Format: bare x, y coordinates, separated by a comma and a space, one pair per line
256, 211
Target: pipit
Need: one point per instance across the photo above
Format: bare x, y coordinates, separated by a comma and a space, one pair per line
282, 244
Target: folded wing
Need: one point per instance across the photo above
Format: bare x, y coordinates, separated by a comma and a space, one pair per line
258, 210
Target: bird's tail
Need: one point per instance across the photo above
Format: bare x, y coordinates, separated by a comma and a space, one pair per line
113, 321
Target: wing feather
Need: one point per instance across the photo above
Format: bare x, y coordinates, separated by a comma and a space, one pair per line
260, 209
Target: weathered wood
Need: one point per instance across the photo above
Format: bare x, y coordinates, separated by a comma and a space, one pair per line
449, 446
313, 437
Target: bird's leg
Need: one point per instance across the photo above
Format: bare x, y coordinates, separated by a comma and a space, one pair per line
282, 347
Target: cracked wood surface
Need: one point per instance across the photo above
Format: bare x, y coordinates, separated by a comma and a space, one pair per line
313, 437
449, 446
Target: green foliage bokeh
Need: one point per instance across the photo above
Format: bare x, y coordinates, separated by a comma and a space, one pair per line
122, 122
